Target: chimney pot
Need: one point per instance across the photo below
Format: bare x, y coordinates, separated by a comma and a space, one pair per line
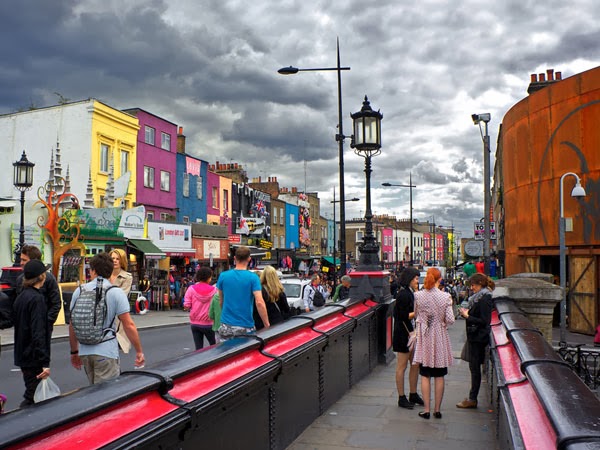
558, 76
180, 130
534, 77
542, 77
550, 73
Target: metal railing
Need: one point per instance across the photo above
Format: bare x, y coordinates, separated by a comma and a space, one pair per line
584, 361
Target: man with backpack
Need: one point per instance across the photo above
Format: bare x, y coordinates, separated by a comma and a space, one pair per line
315, 295
94, 307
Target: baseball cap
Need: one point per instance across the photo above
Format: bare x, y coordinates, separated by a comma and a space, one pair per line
34, 268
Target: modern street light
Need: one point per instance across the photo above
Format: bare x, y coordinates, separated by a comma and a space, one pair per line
487, 199
410, 186
334, 201
366, 142
578, 191
22, 180
339, 137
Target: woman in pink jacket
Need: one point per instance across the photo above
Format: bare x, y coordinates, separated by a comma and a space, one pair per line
197, 302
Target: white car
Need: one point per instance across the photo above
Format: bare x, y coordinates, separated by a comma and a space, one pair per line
294, 291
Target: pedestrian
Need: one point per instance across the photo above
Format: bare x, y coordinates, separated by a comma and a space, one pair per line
121, 279
214, 313
197, 301
101, 361
238, 289
342, 291
275, 299
478, 316
433, 351
32, 336
6, 321
314, 295
50, 288
403, 315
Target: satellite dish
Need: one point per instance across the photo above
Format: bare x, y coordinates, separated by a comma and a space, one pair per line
122, 185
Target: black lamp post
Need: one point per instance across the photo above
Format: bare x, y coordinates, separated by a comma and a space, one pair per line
22, 180
366, 142
338, 137
334, 201
410, 186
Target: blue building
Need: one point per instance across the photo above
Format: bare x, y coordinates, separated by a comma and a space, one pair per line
191, 188
292, 229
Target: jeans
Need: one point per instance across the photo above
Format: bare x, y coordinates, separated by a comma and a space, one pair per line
477, 358
198, 333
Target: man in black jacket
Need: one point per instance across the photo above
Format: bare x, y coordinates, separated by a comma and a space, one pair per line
50, 288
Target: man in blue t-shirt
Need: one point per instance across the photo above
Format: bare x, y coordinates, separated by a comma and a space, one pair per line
239, 289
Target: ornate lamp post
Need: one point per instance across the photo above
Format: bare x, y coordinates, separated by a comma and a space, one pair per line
410, 186
578, 191
334, 201
22, 180
339, 138
366, 142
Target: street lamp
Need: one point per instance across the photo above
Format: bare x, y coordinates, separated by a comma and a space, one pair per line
477, 119
578, 191
339, 137
366, 142
334, 201
410, 186
22, 180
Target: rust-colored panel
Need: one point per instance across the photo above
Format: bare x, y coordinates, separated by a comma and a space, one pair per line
582, 282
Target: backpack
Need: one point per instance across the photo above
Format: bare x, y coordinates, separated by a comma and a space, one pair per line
318, 299
88, 315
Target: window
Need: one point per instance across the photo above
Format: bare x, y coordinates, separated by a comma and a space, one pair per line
149, 177
165, 141
215, 197
281, 214
104, 158
149, 135
282, 241
359, 236
165, 181
274, 215
275, 240
292, 220
164, 216
186, 185
150, 215
186, 219
225, 198
199, 188
124, 162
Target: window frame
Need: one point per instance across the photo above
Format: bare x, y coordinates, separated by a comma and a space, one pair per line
149, 135
165, 144
165, 187
152, 171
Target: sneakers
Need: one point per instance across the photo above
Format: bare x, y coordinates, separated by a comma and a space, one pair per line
416, 399
467, 404
404, 403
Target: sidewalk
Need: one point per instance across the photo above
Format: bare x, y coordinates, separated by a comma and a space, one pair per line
368, 417
151, 319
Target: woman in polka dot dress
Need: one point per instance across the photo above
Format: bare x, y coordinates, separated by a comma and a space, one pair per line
433, 352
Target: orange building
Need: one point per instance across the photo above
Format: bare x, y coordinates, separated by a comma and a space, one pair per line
555, 130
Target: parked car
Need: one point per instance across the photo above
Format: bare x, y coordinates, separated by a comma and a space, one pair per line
294, 291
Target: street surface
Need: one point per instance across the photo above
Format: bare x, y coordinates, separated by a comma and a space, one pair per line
159, 344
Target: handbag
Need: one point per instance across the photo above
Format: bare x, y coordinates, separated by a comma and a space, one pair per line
412, 338
465, 353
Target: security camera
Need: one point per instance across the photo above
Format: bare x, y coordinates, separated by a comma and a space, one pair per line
486, 117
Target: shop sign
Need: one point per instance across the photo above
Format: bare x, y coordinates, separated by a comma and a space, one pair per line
96, 222
251, 226
132, 222
234, 238
265, 244
192, 166
170, 235
212, 249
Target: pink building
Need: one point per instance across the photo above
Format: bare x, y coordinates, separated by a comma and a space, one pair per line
387, 245
156, 165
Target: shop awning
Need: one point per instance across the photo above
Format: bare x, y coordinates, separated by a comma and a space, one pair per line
254, 251
180, 252
329, 259
147, 248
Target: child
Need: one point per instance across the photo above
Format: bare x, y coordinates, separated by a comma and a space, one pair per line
32, 337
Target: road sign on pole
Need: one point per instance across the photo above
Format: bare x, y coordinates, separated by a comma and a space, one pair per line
479, 231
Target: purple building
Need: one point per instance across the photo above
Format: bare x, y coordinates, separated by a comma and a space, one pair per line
156, 165
213, 212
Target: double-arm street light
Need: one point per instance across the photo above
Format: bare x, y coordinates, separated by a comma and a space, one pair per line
487, 199
410, 186
339, 137
366, 142
578, 191
22, 180
334, 201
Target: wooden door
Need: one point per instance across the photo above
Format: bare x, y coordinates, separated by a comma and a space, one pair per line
532, 264
583, 302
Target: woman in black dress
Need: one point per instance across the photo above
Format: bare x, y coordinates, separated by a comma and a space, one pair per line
275, 299
403, 314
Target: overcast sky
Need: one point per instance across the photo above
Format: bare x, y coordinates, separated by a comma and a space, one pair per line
210, 66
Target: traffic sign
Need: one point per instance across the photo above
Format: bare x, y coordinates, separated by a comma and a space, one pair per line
479, 231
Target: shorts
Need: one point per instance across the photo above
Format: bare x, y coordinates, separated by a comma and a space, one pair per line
434, 372
100, 368
227, 332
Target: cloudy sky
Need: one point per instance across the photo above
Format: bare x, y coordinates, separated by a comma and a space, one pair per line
211, 67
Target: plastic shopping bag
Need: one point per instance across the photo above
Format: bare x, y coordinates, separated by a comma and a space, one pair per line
46, 390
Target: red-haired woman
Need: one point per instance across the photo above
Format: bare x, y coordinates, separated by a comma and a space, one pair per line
433, 313
478, 316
